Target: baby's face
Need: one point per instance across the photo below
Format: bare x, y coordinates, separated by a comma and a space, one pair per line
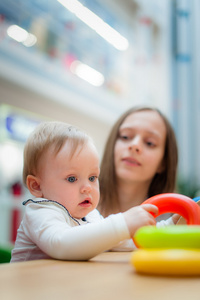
73, 182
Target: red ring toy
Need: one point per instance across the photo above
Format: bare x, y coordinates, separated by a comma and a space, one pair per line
176, 203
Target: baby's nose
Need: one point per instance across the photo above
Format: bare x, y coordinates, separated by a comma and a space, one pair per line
86, 188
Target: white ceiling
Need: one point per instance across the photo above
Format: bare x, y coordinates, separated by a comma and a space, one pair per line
62, 37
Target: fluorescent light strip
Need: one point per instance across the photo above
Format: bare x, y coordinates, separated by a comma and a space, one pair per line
87, 73
96, 23
21, 35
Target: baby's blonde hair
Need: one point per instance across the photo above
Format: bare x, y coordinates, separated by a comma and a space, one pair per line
50, 135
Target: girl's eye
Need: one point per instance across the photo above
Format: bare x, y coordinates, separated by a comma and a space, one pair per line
71, 179
123, 137
92, 178
150, 144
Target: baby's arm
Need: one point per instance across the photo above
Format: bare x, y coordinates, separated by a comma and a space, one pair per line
140, 216
55, 237
59, 240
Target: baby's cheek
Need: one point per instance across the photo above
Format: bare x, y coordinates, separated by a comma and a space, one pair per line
97, 194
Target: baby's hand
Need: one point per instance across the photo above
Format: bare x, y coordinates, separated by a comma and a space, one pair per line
139, 216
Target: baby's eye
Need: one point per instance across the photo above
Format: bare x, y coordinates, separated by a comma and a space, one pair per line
71, 179
92, 178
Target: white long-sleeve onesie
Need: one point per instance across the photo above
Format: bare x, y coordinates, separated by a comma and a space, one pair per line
49, 231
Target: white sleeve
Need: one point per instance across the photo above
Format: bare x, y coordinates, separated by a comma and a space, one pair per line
124, 246
61, 241
164, 223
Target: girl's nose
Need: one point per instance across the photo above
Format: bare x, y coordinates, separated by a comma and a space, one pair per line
135, 145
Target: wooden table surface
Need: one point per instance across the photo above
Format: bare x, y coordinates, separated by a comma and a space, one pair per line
107, 276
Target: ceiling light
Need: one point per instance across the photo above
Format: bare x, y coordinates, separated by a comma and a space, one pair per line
21, 35
30, 41
87, 73
96, 23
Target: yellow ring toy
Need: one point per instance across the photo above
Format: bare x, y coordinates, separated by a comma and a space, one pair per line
184, 237
166, 261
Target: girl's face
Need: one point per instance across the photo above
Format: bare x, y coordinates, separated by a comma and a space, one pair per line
72, 182
140, 147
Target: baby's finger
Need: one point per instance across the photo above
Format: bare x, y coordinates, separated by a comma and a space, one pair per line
152, 221
151, 208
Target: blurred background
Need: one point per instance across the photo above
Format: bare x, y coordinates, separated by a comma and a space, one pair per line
85, 62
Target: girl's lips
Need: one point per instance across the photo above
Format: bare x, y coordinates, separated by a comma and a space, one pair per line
131, 161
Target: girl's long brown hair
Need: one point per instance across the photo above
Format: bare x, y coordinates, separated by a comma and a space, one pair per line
164, 182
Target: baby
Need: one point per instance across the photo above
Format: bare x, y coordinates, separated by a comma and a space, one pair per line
61, 170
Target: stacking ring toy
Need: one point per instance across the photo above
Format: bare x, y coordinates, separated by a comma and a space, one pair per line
176, 203
180, 237
182, 221
166, 262
171, 250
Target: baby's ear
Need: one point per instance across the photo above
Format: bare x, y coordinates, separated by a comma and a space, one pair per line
33, 184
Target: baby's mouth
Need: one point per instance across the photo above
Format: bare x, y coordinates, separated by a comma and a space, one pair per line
85, 203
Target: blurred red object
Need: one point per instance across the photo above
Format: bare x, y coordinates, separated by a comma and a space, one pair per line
17, 191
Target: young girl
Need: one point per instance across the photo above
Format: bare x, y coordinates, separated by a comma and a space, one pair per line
61, 171
140, 160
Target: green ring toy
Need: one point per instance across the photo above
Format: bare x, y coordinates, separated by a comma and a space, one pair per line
180, 237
